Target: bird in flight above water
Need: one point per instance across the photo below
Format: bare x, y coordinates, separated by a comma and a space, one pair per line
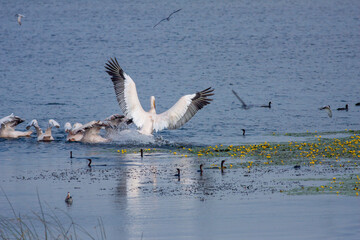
244, 105
167, 18
148, 122
19, 16
328, 110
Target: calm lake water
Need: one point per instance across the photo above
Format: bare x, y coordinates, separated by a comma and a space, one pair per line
300, 55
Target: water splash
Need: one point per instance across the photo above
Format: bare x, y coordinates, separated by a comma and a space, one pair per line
131, 136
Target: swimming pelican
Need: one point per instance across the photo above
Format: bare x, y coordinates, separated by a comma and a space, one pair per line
7, 127
346, 108
19, 16
43, 136
72, 137
327, 109
167, 18
127, 97
91, 132
68, 199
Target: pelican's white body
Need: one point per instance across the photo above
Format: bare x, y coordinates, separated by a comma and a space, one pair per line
7, 127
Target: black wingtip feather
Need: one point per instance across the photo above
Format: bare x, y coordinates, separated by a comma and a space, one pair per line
113, 68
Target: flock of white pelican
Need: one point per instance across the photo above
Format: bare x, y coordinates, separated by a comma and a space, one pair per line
125, 89
87, 133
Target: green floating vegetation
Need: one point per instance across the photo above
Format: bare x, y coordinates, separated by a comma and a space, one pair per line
349, 186
310, 134
332, 152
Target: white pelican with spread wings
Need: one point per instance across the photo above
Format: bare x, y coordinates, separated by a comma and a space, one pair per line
148, 122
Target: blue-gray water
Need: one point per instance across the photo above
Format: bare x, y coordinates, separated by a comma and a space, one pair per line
300, 55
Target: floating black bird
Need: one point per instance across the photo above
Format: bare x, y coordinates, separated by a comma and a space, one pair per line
345, 108
99, 165
357, 104
222, 165
244, 105
168, 18
178, 173
266, 106
68, 199
243, 131
201, 169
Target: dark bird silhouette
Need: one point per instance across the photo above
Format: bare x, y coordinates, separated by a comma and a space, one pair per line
201, 169
266, 106
168, 18
357, 104
99, 165
243, 131
346, 108
297, 167
222, 166
68, 199
244, 105
178, 173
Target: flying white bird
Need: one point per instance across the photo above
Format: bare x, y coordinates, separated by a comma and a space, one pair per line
43, 136
19, 16
7, 127
327, 109
148, 122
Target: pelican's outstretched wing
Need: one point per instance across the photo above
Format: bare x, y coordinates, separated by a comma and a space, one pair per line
114, 117
117, 119
96, 125
183, 110
126, 94
10, 121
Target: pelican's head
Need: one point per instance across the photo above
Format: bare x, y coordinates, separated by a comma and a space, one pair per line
152, 102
